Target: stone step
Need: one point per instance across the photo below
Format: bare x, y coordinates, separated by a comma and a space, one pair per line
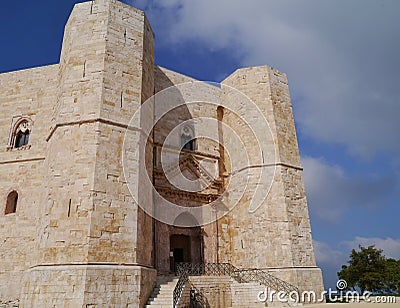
159, 305
155, 303
159, 290
162, 301
163, 279
162, 294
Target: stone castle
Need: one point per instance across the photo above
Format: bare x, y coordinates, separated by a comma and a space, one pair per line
83, 185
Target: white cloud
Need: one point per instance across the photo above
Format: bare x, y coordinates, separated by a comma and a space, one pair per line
390, 246
341, 58
325, 254
330, 261
332, 193
322, 183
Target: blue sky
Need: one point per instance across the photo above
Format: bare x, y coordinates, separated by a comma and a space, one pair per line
342, 61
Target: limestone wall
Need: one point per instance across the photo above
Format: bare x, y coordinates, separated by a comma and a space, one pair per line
88, 286
119, 227
189, 108
30, 93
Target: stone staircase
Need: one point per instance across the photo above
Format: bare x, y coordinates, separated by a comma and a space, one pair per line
216, 291
220, 285
163, 292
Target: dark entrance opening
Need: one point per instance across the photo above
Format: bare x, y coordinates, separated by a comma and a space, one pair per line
180, 250
178, 255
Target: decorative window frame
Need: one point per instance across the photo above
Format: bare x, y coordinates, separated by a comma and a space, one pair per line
15, 128
187, 132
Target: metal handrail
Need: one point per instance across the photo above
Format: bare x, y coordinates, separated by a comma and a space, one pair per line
208, 269
265, 278
183, 279
184, 270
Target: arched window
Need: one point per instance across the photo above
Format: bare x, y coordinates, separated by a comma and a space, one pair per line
187, 139
21, 133
11, 205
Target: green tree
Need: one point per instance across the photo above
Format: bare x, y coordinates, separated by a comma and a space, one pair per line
392, 275
366, 269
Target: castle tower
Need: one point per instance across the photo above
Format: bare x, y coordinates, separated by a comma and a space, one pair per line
276, 235
92, 236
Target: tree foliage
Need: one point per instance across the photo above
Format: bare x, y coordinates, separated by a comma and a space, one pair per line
392, 281
369, 270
